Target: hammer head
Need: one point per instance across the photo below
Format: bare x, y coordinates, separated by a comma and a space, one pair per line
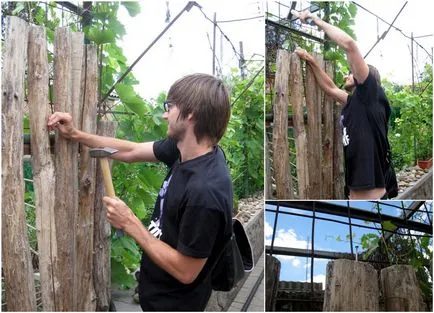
101, 152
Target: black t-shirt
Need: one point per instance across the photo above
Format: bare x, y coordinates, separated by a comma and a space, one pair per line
364, 121
192, 214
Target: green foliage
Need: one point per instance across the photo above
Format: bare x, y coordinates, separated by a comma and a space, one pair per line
411, 120
243, 140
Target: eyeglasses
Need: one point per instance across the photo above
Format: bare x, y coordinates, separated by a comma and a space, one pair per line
167, 105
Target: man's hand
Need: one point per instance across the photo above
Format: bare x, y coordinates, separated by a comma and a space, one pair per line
118, 213
303, 54
63, 123
305, 15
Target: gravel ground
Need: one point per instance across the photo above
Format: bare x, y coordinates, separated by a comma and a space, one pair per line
247, 207
408, 177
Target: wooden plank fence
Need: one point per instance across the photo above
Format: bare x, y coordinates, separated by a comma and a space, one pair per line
72, 230
319, 156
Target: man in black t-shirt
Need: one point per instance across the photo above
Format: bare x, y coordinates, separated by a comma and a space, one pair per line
364, 116
193, 212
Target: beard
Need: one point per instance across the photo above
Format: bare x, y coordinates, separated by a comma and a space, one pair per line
177, 131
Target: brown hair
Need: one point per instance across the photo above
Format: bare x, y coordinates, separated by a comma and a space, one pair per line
373, 70
207, 98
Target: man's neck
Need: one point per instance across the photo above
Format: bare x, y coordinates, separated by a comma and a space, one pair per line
190, 149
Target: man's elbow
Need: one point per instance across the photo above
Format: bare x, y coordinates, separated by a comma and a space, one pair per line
349, 45
187, 278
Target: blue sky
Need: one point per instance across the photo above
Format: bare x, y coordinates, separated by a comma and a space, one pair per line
294, 231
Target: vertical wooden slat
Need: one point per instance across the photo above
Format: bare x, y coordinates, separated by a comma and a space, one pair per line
313, 133
282, 173
16, 259
296, 85
327, 144
66, 180
272, 268
102, 231
401, 289
338, 165
44, 180
268, 177
85, 220
347, 278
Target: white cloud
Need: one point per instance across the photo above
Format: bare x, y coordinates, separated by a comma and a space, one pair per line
284, 238
321, 278
296, 263
268, 230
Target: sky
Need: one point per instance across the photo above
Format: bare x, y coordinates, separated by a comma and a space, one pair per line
186, 47
294, 231
391, 55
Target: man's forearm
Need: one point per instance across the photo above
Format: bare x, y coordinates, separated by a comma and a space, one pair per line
126, 148
337, 35
185, 269
324, 81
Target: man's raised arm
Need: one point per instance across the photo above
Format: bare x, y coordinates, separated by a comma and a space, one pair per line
324, 81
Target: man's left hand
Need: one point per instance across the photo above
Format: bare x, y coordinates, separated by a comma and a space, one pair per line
118, 213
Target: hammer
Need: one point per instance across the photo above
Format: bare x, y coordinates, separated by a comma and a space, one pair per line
102, 154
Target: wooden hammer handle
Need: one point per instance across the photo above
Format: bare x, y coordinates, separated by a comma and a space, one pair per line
108, 183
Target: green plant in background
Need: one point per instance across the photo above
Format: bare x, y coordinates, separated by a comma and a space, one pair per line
411, 120
243, 140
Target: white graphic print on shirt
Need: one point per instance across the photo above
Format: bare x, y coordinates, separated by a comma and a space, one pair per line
154, 228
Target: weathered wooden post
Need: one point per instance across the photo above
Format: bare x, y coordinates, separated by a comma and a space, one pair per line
281, 168
102, 231
351, 286
314, 140
296, 82
268, 175
85, 219
338, 163
16, 260
401, 290
66, 179
272, 267
327, 141
44, 179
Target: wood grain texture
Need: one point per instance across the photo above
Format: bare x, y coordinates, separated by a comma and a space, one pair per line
102, 231
44, 179
297, 92
16, 259
281, 168
327, 141
86, 299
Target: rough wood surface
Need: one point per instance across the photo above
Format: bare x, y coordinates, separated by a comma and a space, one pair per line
327, 142
281, 168
87, 172
401, 289
66, 179
272, 267
314, 140
268, 173
16, 259
297, 90
338, 152
44, 179
351, 286
102, 231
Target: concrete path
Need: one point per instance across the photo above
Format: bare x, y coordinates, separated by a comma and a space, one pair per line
123, 299
257, 300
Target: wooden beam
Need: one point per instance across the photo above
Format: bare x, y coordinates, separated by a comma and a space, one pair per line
281, 168
297, 91
16, 259
44, 179
66, 180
